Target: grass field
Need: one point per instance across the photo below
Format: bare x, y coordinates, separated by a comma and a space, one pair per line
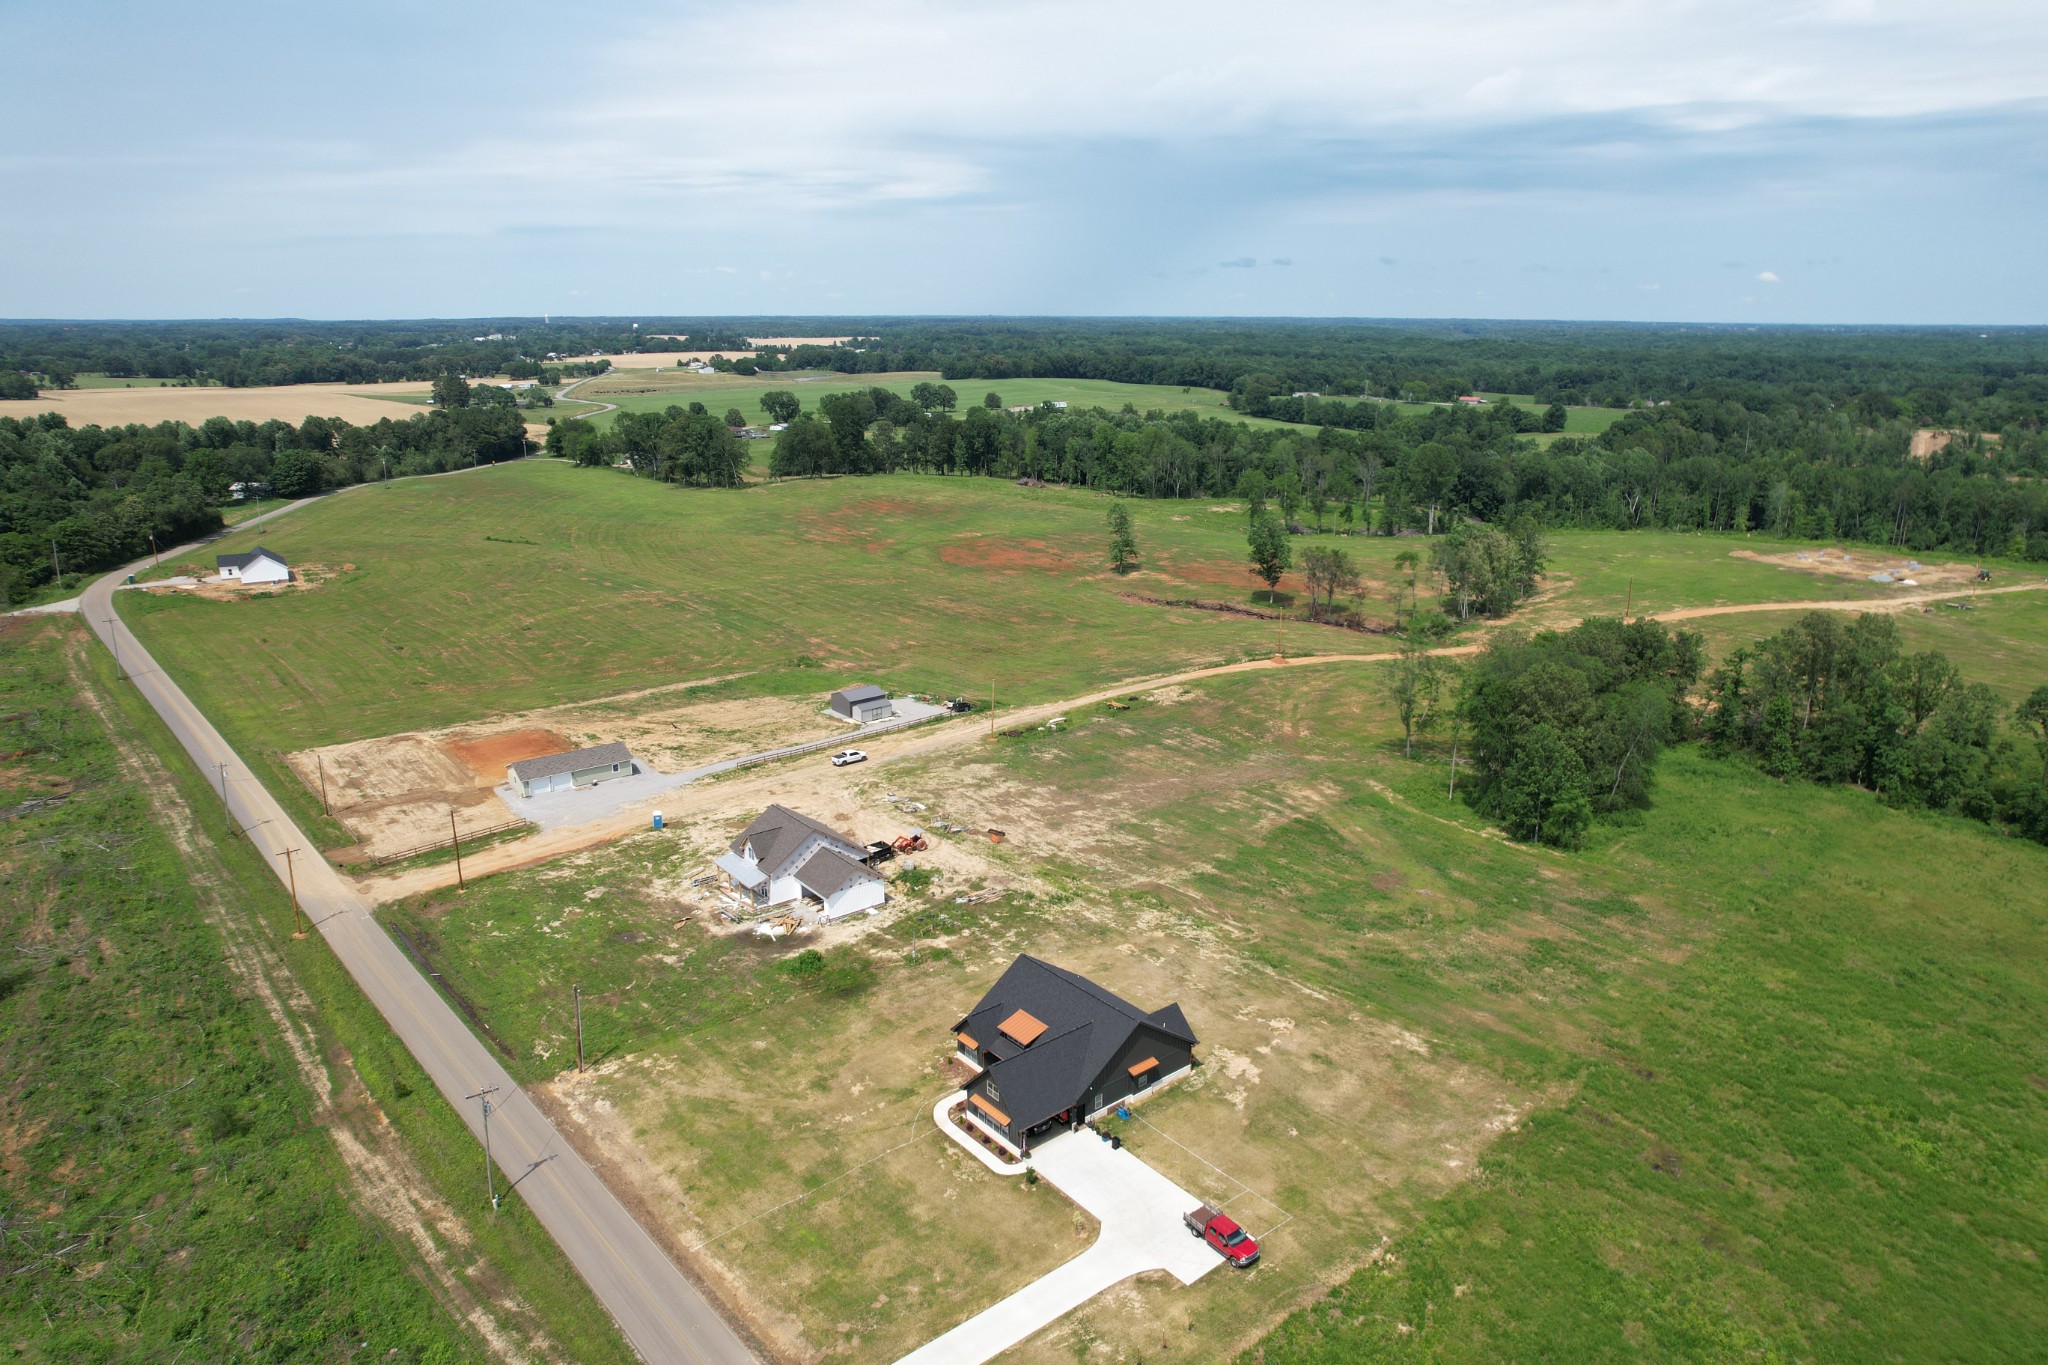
646, 391
1744, 1078
532, 584
171, 1186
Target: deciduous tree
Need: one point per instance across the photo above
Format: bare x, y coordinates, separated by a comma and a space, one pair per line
1123, 545
1271, 555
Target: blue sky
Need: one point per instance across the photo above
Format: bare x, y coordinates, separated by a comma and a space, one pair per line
1852, 161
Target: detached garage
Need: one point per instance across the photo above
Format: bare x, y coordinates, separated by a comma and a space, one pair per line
863, 703
577, 768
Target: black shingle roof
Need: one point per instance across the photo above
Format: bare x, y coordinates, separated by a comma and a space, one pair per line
1085, 1027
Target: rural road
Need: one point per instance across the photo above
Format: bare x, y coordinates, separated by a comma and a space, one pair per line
679, 802
665, 1318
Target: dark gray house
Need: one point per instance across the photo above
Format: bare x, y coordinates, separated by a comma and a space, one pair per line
1050, 1049
863, 703
577, 768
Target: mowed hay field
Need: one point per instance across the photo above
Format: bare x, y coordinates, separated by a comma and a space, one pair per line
1757, 1074
536, 583
361, 404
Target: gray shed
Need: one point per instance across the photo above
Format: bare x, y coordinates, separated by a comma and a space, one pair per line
577, 768
863, 703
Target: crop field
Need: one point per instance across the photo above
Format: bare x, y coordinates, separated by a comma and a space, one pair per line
213, 1149
1536, 1074
358, 403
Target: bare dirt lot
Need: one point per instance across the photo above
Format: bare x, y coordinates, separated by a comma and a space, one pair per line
1928, 441
394, 792
361, 404
1834, 563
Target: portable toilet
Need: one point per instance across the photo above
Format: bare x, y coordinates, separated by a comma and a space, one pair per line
657, 819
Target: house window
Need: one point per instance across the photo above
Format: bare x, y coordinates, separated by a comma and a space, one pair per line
994, 1093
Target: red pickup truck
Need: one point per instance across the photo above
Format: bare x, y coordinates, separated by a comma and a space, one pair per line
1232, 1242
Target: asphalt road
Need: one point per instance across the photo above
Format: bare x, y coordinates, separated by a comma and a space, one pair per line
662, 1314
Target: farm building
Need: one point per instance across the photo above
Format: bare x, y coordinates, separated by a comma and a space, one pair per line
257, 566
577, 768
1049, 1049
784, 857
863, 703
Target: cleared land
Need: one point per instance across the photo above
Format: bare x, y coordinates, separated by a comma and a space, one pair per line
477, 600
1392, 1001
358, 403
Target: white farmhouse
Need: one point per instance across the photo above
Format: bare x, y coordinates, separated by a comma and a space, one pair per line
257, 566
784, 857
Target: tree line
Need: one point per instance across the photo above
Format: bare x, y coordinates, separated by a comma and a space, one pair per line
76, 500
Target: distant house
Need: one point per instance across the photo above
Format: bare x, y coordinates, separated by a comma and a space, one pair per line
1050, 1049
576, 768
1474, 399
246, 489
863, 703
786, 857
257, 566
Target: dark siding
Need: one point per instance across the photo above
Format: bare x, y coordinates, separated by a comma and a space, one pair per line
1116, 1082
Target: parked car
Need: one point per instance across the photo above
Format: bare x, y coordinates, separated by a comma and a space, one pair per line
846, 756
1232, 1242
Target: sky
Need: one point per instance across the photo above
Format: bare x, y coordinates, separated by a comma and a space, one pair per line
1848, 161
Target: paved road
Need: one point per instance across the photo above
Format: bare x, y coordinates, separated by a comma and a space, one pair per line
661, 1313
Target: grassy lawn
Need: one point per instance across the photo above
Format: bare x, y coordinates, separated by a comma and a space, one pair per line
171, 1186
102, 381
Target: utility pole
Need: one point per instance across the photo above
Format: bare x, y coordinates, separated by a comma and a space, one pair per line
456, 839
579, 1026
1280, 656
490, 1180
991, 710
323, 784
291, 873
156, 556
224, 791
1453, 793
1631, 601
56, 564
114, 635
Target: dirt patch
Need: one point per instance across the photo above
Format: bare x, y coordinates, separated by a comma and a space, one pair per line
305, 578
1862, 564
362, 404
487, 756
1006, 554
1930, 441
393, 793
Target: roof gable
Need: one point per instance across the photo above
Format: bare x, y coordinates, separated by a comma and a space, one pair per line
779, 832
1061, 1003
828, 871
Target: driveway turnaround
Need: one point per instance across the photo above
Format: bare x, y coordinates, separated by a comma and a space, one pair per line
662, 1314
1140, 1211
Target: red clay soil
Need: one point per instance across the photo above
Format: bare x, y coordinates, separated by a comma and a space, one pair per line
488, 755
1005, 555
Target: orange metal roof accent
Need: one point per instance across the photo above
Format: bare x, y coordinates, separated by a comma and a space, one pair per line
1145, 1065
966, 1041
985, 1107
1022, 1028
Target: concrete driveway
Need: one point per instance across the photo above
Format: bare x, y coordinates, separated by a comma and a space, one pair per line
1140, 1212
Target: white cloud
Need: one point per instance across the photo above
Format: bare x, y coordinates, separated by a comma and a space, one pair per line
1769, 277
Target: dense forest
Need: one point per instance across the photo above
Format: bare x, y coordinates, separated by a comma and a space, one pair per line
72, 501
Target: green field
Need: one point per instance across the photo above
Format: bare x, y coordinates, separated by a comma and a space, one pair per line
102, 381
170, 1187
536, 583
722, 391
1786, 1083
